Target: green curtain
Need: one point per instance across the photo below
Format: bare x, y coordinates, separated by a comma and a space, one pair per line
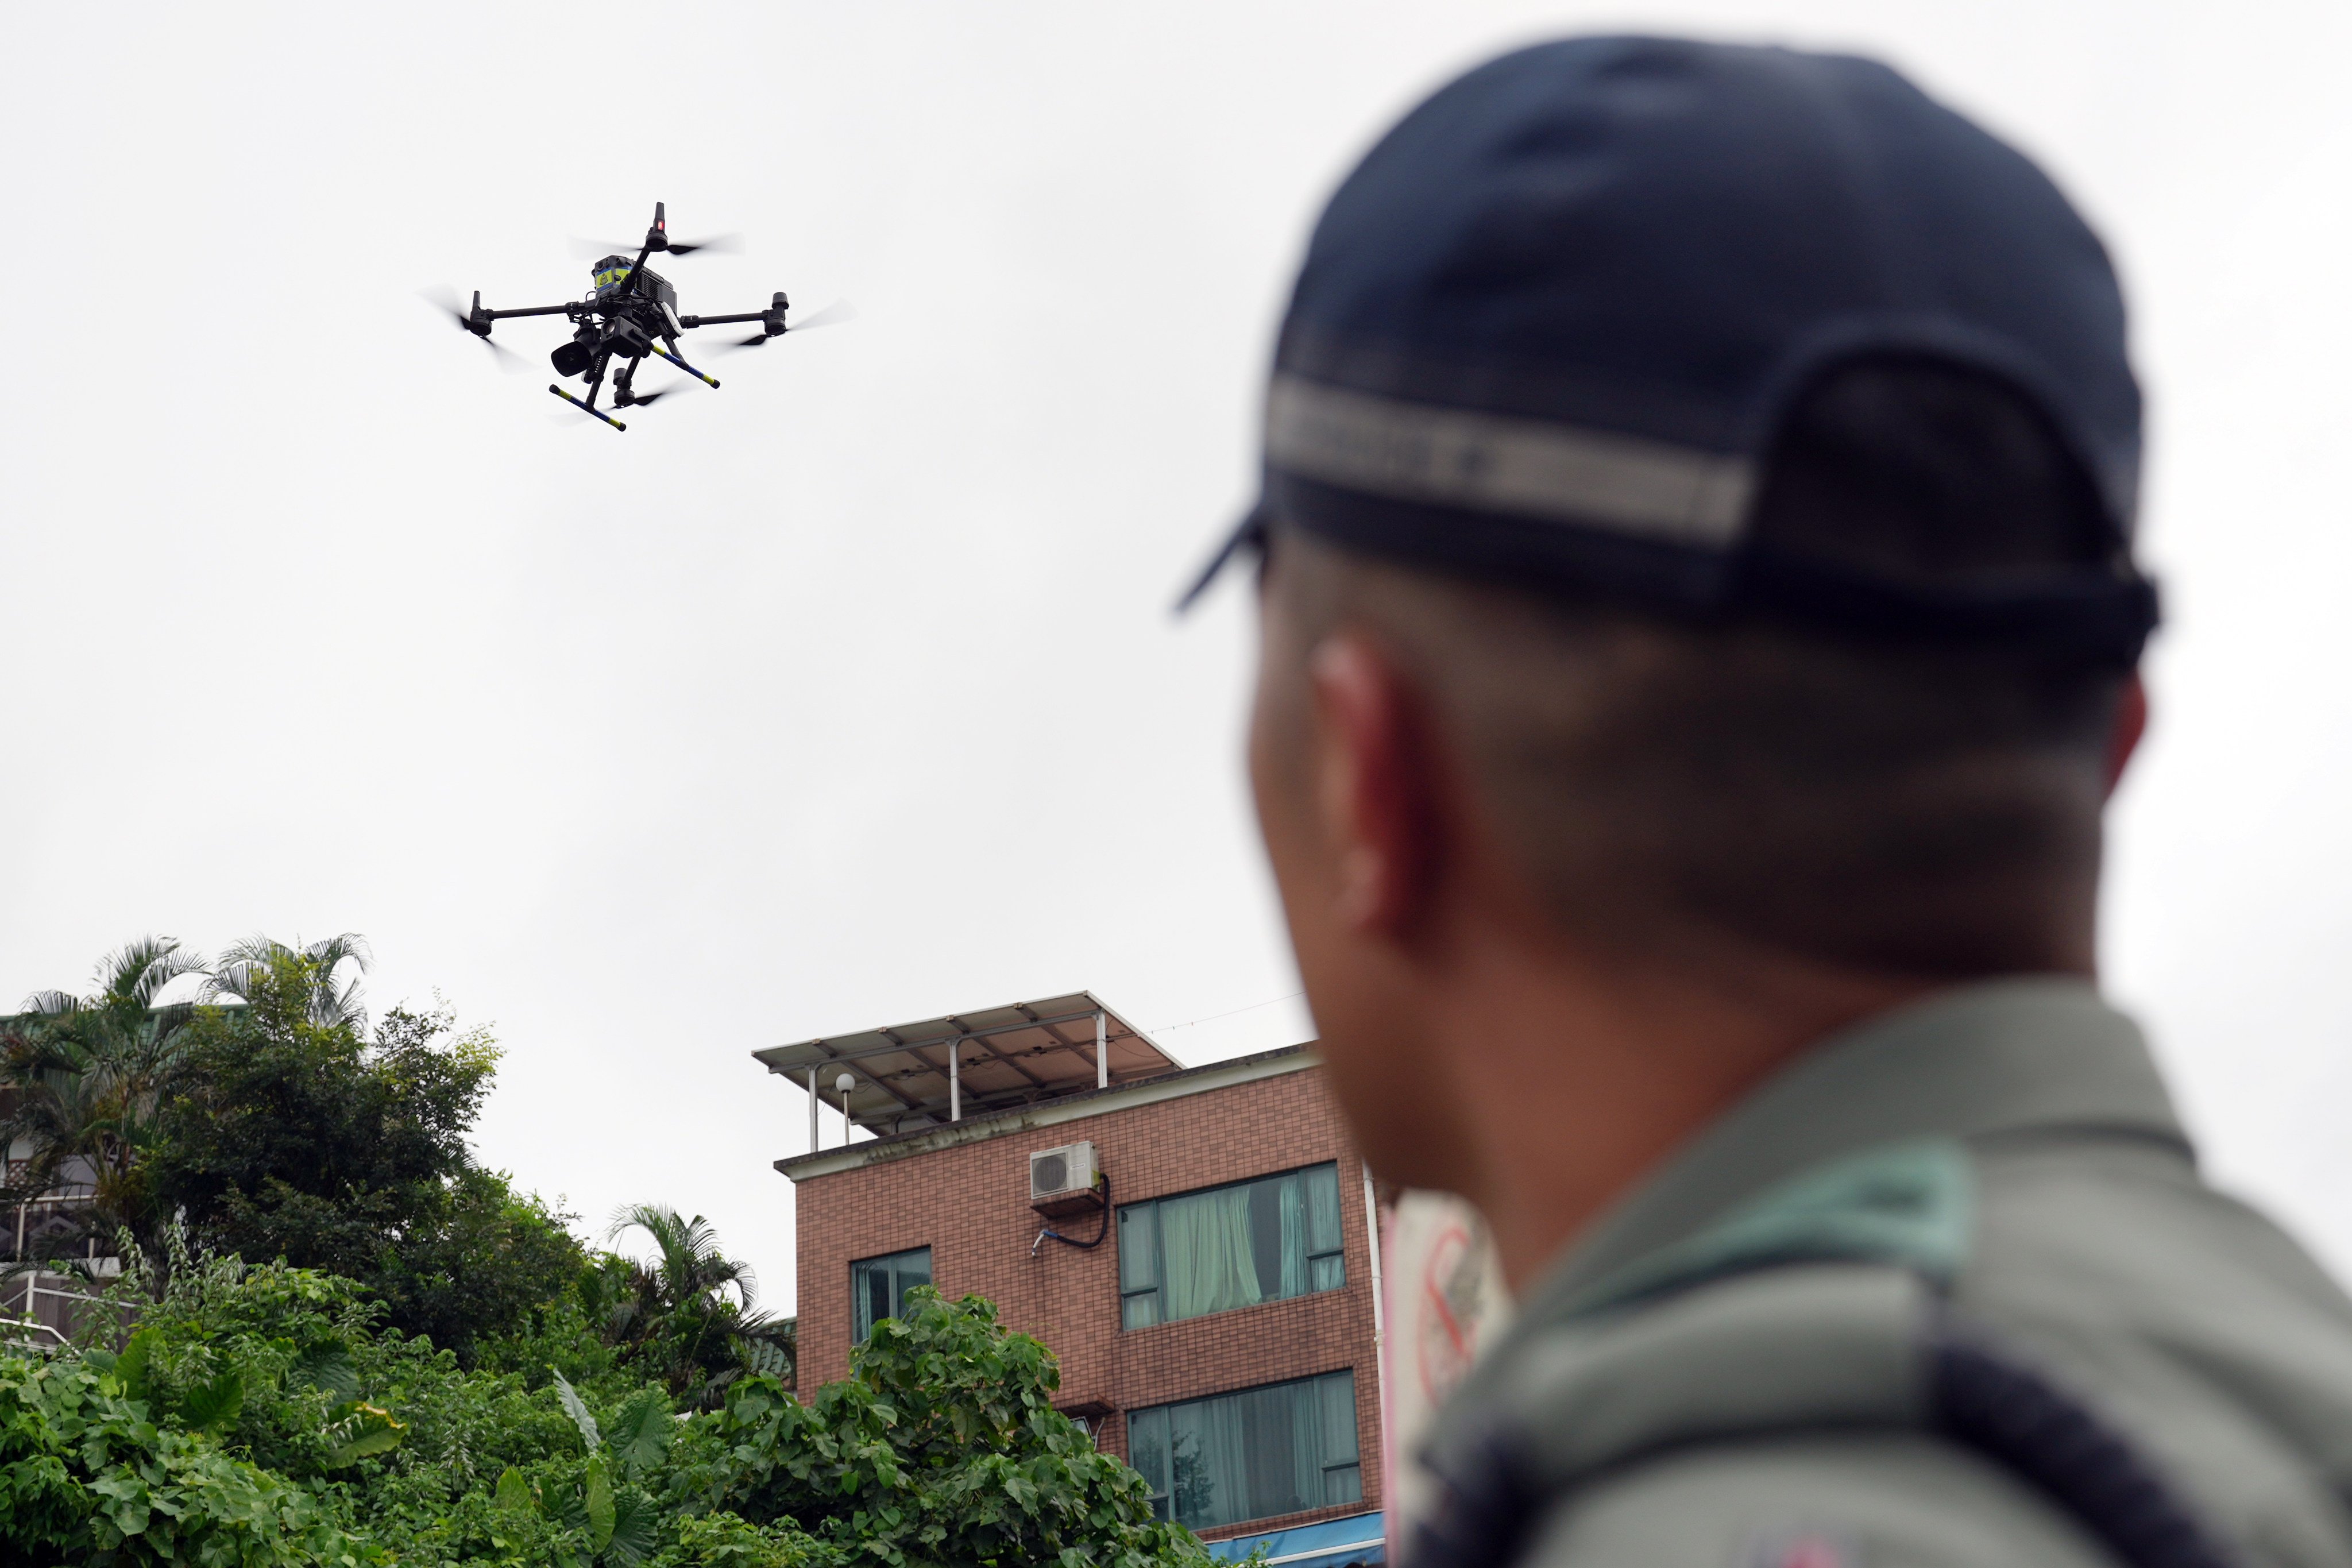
1258, 1453
1294, 1239
1205, 1240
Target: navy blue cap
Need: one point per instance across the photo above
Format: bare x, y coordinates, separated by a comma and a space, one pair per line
1548, 329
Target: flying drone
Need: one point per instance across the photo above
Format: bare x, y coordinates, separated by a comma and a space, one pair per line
630, 314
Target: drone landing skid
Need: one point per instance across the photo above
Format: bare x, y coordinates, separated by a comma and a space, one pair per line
683, 365
584, 407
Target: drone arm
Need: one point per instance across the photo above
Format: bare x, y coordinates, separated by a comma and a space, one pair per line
529, 311
657, 238
772, 318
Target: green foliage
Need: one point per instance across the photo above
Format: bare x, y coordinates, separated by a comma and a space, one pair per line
687, 1315
91, 1077
578, 1410
210, 1405
943, 1446
266, 1415
88, 1474
279, 1129
327, 1365
428, 1370
642, 1432
294, 1137
722, 1539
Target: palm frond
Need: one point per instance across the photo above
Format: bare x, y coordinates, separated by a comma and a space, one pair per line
306, 974
138, 970
656, 1219
345, 1005
332, 953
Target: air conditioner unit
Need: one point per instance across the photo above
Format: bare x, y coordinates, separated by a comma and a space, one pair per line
1062, 1181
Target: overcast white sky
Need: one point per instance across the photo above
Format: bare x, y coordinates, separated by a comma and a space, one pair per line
848, 694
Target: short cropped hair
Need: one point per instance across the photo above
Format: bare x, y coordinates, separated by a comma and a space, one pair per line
1898, 806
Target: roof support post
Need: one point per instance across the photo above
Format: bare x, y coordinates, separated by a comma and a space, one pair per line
812, 1108
955, 1083
1102, 1054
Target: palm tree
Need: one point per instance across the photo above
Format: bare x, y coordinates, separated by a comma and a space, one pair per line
688, 1311
306, 974
88, 1076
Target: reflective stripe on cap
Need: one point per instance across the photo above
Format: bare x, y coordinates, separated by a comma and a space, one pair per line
1491, 462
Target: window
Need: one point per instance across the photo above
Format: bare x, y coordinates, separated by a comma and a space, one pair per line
1265, 1240
1235, 1457
878, 1287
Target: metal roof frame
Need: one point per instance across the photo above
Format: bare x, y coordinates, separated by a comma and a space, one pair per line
932, 1071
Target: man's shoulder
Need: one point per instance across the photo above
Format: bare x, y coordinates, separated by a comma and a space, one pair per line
1978, 1325
1810, 1500
2120, 1231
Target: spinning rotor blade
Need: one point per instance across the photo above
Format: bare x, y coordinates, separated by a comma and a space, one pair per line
597, 249
833, 315
446, 299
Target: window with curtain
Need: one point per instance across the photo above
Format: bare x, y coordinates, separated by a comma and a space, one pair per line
1233, 1458
1210, 1251
878, 1287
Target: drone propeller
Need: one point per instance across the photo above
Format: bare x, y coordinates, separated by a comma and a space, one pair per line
833, 315
446, 299
596, 250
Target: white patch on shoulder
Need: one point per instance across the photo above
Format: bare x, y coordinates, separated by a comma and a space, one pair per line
1801, 1548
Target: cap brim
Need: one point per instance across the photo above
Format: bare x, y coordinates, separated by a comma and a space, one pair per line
1248, 535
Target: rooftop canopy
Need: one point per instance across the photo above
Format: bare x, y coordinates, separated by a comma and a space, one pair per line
941, 1069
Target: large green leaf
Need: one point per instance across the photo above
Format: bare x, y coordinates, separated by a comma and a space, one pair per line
209, 1406
366, 1429
596, 1499
514, 1494
134, 1368
327, 1364
641, 1433
635, 1518
577, 1411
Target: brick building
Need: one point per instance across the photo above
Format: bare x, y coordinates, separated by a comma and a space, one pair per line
1221, 1335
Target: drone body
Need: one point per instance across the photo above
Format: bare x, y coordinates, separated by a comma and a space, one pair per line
630, 314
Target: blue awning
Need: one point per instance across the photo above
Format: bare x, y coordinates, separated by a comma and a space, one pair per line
1334, 1543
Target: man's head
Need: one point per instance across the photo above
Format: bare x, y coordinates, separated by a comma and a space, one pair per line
1697, 589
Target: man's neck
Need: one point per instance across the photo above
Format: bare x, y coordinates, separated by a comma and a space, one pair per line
1587, 1070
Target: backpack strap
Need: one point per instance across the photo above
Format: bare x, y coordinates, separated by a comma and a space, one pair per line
2000, 1405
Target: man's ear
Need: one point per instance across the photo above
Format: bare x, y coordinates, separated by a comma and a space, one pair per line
2131, 725
1375, 785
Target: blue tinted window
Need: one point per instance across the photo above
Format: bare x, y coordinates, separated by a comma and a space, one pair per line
878, 1287
1233, 1458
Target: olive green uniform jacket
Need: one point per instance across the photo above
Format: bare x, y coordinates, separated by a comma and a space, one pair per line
1947, 1292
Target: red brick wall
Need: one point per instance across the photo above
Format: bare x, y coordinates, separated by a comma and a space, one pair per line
970, 1205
